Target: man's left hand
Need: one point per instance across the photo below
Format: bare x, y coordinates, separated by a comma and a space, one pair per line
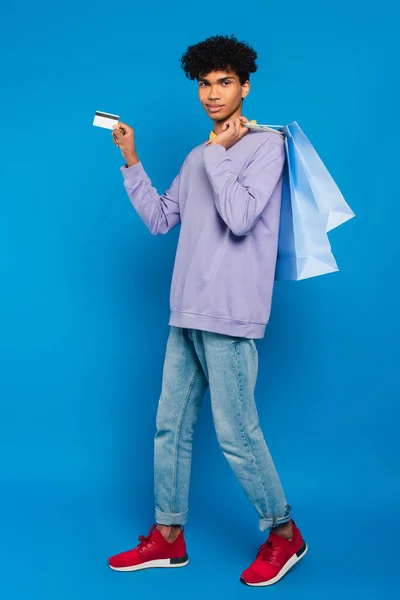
232, 132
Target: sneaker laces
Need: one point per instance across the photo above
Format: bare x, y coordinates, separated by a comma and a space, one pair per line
267, 551
145, 539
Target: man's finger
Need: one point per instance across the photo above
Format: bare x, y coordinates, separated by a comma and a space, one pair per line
122, 128
115, 138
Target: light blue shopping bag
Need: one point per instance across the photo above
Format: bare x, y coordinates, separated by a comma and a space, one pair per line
312, 205
303, 250
325, 191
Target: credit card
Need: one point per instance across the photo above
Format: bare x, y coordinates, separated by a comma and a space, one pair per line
106, 120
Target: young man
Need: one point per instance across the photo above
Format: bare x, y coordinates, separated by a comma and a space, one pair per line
227, 198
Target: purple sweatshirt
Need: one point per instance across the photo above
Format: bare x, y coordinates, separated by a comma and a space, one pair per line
228, 204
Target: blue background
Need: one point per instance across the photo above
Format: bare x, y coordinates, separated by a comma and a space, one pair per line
85, 300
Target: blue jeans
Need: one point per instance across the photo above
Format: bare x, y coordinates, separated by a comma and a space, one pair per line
195, 359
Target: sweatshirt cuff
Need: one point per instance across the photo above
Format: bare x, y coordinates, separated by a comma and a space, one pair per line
132, 172
213, 154
214, 148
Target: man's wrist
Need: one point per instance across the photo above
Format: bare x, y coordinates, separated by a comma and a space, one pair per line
131, 159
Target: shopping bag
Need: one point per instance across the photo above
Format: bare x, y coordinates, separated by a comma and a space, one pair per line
326, 193
312, 205
303, 249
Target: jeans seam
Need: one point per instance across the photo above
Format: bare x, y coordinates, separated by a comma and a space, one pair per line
177, 437
246, 442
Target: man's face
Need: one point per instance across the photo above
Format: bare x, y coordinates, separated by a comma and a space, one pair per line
221, 93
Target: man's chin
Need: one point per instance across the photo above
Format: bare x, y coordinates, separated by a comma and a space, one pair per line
218, 118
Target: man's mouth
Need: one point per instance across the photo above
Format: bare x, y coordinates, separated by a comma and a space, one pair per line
214, 107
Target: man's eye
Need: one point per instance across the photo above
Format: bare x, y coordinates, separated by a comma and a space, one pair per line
204, 83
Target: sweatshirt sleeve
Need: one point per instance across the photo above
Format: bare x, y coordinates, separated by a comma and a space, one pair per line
159, 213
240, 204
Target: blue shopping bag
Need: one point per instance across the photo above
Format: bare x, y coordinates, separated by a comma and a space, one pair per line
303, 249
312, 205
325, 191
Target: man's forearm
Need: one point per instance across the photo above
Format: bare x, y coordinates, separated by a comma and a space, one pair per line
159, 213
240, 203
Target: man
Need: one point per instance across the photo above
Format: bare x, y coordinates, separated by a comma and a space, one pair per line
227, 198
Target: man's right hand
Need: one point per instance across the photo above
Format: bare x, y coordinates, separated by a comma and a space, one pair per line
124, 138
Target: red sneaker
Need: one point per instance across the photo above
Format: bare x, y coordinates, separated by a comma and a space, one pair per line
153, 550
274, 558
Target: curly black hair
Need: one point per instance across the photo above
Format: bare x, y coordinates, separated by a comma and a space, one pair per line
219, 53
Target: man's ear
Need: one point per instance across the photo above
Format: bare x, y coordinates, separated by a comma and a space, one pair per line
245, 89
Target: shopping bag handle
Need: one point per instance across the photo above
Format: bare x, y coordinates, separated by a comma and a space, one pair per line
271, 128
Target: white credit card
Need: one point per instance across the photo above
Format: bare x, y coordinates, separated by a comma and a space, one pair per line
106, 120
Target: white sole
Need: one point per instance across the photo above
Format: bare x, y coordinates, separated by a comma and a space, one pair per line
164, 563
290, 563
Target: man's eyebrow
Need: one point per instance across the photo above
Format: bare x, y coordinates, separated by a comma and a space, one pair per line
218, 80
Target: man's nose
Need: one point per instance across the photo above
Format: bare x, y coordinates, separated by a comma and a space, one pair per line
213, 94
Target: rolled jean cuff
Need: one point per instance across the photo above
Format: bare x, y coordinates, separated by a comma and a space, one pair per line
271, 522
171, 518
